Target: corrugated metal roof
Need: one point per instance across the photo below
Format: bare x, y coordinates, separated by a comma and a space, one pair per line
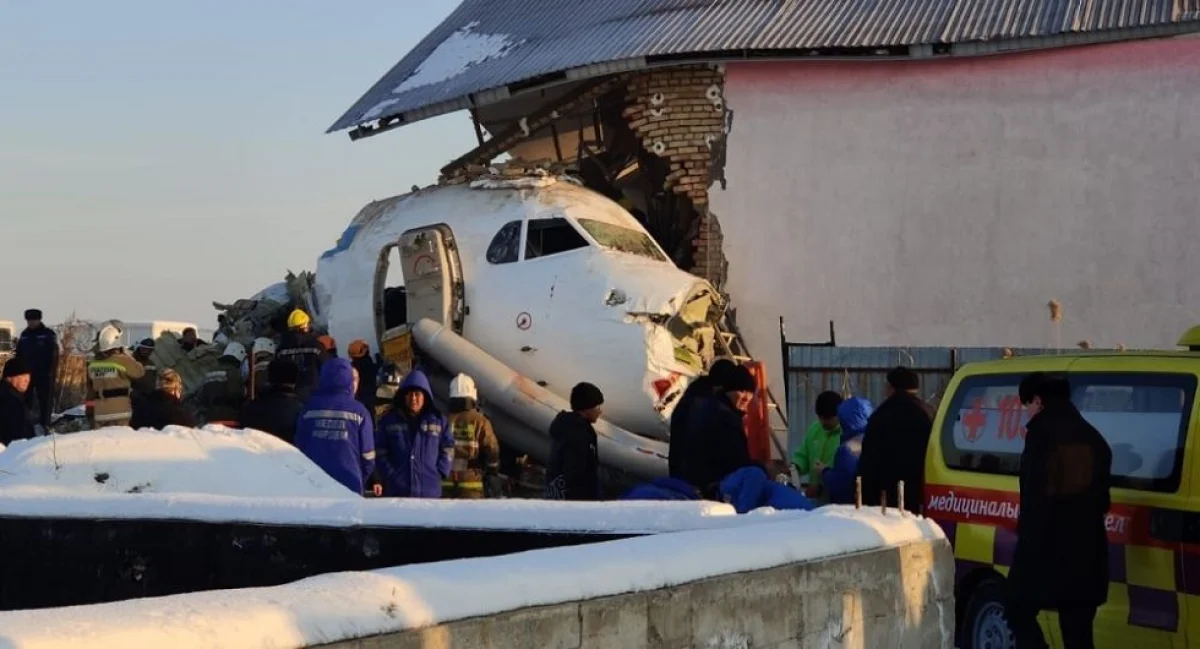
565, 37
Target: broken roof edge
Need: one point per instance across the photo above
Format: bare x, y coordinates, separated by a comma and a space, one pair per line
915, 52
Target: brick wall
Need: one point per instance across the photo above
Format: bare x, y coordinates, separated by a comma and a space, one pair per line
680, 115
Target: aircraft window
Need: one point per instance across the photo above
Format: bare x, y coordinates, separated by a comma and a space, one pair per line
551, 236
623, 239
506, 245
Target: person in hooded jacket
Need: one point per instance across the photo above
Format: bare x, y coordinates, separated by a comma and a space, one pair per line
415, 444
1061, 558
573, 469
336, 432
164, 406
276, 409
750, 487
853, 415
683, 452
893, 447
368, 373
719, 432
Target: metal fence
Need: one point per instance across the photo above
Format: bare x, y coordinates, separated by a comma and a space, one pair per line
860, 372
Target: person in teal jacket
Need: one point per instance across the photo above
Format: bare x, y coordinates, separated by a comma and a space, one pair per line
821, 442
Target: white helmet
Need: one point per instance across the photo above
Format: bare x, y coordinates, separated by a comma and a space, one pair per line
263, 346
109, 339
463, 387
236, 350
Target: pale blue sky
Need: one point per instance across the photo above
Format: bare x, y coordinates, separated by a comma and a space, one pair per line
156, 156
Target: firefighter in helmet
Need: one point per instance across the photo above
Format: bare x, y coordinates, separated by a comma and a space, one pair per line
475, 470
111, 373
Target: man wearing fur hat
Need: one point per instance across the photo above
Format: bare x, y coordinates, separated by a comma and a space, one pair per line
15, 421
38, 346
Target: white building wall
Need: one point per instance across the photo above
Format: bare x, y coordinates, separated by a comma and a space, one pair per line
946, 202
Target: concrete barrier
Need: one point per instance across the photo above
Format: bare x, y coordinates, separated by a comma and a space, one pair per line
897, 598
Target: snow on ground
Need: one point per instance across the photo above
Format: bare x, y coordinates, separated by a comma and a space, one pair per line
223, 475
214, 461
334, 607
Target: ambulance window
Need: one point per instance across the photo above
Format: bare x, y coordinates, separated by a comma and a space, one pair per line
506, 245
547, 237
1143, 416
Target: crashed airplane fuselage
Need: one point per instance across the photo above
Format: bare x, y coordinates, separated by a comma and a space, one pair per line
556, 281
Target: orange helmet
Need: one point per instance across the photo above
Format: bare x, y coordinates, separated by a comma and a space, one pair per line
327, 343
359, 349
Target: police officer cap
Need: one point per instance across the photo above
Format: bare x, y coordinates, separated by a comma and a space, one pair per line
33, 314
147, 343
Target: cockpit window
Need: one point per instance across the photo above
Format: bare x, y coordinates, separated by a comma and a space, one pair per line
506, 245
622, 239
551, 236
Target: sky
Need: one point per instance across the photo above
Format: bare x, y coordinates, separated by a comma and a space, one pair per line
157, 156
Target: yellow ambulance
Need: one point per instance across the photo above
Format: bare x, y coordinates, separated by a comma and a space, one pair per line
1144, 403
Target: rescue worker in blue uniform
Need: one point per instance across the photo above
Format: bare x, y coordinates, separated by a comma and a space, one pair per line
335, 431
415, 444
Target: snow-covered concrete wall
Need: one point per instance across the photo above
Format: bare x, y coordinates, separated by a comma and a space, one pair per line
898, 597
879, 580
946, 202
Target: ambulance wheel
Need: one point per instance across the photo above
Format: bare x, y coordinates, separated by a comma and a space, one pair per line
984, 624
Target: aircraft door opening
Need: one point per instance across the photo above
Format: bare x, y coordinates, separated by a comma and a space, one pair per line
432, 276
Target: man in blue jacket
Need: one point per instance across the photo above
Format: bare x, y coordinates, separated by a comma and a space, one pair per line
416, 445
335, 431
853, 415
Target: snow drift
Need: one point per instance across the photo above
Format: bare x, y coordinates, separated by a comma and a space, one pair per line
335, 607
217, 474
215, 461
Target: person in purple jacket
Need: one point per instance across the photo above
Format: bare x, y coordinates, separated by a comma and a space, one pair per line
416, 446
335, 431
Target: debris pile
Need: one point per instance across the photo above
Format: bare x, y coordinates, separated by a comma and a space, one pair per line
510, 170
263, 315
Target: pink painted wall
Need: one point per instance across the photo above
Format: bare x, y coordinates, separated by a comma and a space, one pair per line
946, 202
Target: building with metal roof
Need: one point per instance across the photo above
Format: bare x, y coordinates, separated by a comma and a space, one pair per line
488, 51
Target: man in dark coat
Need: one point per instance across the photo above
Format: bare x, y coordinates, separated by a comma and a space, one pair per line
573, 472
893, 447
1061, 558
368, 373
300, 345
277, 408
38, 346
189, 341
719, 433
683, 450
15, 421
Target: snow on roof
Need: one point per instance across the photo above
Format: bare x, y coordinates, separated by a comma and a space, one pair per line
462, 49
218, 474
335, 607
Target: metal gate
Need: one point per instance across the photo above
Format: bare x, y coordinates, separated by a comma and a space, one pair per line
861, 371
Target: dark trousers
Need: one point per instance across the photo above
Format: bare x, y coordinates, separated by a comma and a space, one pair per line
39, 397
1074, 623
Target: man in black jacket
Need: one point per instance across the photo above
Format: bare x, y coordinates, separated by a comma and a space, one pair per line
1061, 558
893, 447
164, 406
15, 422
38, 346
276, 410
719, 433
300, 346
573, 472
683, 450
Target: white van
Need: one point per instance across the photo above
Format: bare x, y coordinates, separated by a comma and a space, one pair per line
8, 337
134, 332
